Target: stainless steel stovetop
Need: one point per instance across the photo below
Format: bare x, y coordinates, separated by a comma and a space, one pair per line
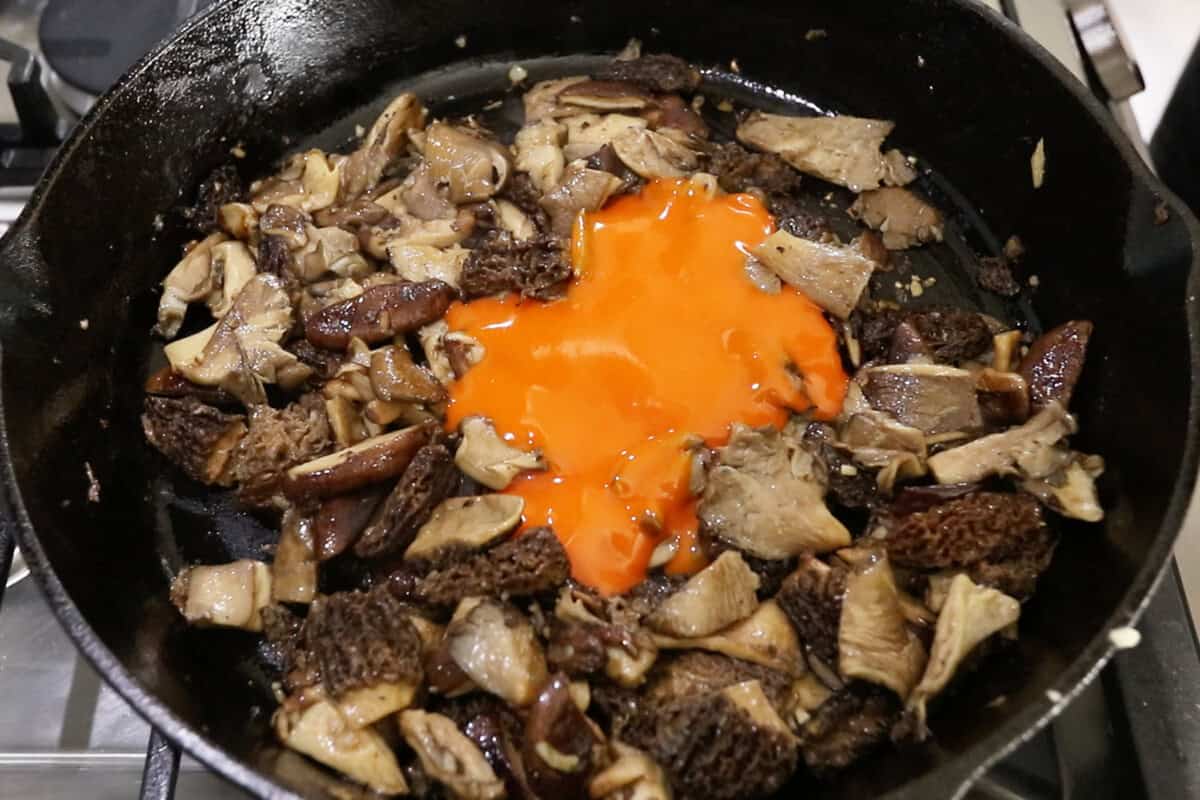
65, 734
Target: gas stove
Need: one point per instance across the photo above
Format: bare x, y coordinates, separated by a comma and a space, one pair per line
1134, 733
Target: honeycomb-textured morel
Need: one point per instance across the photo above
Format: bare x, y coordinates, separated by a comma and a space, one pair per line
278, 439
528, 564
812, 599
539, 267
198, 438
428, 480
851, 723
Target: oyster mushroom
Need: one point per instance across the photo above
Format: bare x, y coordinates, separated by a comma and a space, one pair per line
464, 524
330, 251
323, 734
538, 148
1072, 490
541, 101
904, 219
472, 167
589, 133
449, 757
229, 595
495, 646
449, 353
235, 266
418, 263
382, 145
372, 461
191, 279
766, 637
290, 224
832, 276
630, 775
1027, 450
842, 150
717, 596
484, 456
652, 155
582, 189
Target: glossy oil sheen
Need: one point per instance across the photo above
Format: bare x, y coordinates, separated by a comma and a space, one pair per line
969, 95
660, 340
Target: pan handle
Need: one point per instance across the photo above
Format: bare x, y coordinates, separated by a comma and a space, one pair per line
161, 770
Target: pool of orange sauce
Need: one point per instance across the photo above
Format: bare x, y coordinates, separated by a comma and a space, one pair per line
662, 338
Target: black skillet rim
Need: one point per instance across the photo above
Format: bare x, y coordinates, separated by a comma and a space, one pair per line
952, 779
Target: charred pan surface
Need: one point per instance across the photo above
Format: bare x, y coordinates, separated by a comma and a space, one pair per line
532, 563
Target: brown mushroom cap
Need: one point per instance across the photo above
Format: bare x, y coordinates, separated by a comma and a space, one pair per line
372, 461
379, 313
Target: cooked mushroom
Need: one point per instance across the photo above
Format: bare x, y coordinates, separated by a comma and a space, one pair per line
233, 266
1027, 450
588, 134
904, 219
294, 570
1072, 490
341, 519
290, 224
582, 189
538, 148
464, 524
1005, 350
630, 775
929, 397
192, 279
717, 596
419, 263
560, 742
372, 461
850, 723
229, 595
653, 155
427, 480
484, 456
449, 757
1003, 397
969, 615
832, 276
541, 101
197, 437
658, 72
472, 167
382, 144
330, 251
765, 497
1054, 362
766, 637
539, 267
605, 96
379, 313
495, 645
277, 439
449, 353
395, 377
241, 352
874, 641
626, 651
322, 733
841, 150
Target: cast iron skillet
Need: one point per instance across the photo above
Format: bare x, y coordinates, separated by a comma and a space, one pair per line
970, 93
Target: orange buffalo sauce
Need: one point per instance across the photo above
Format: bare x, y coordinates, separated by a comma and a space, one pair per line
662, 338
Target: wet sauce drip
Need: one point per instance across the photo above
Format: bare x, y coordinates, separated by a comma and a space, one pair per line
662, 338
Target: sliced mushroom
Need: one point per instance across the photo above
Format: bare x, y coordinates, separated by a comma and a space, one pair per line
538, 148
874, 641
464, 524
241, 352
541, 101
290, 224
1027, 450
1054, 363
294, 570
321, 182
605, 96
1005, 350
239, 220
229, 595
582, 189
766, 497
192, 279
233, 266
629, 653
766, 637
630, 775
418, 263
449, 353
929, 397
832, 276
969, 615
841, 150
717, 596
1003, 397
427, 480
379, 313
330, 251
423, 194
472, 167
589, 133
372, 461
904, 219
1072, 490
561, 744
341, 519
652, 155
495, 646
395, 377
484, 456
382, 144
323, 734
512, 219
449, 757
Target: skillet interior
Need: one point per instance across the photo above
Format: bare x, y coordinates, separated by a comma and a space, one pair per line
307, 69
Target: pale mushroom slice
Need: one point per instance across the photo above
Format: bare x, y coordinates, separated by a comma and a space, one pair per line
969, 615
496, 647
330, 251
227, 595
192, 279
766, 496
239, 220
470, 166
484, 456
449, 353
538, 148
1072, 490
294, 570
542, 100
582, 189
766, 637
630, 775
875, 643
449, 757
652, 155
233, 266
1027, 450
717, 596
833, 276
464, 524
841, 149
587, 133
324, 735
903, 219
419, 262
383, 143
932, 398
513, 219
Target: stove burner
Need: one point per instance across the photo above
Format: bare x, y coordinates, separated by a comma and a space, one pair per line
89, 44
